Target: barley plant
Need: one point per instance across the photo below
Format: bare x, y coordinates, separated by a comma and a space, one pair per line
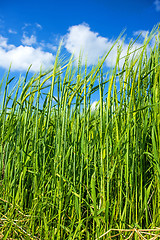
71, 171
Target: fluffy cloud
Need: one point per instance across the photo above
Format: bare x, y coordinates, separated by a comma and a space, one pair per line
22, 57
92, 46
81, 38
28, 40
4, 44
157, 4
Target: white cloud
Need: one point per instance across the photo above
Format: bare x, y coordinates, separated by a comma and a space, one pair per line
143, 33
28, 40
94, 106
51, 46
4, 44
26, 25
81, 38
22, 57
38, 26
12, 31
157, 4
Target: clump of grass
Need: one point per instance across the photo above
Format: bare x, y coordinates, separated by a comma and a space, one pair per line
68, 172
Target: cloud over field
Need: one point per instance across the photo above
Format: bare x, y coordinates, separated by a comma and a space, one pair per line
22, 57
80, 38
92, 45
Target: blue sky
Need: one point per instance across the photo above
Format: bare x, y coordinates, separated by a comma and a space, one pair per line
30, 31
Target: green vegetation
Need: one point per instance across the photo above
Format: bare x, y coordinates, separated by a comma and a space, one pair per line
68, 171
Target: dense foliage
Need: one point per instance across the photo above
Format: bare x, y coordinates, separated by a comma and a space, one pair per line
71, 171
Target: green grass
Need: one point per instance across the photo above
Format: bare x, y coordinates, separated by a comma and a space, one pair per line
70, 172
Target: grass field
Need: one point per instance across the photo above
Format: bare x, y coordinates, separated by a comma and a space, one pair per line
71, 171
